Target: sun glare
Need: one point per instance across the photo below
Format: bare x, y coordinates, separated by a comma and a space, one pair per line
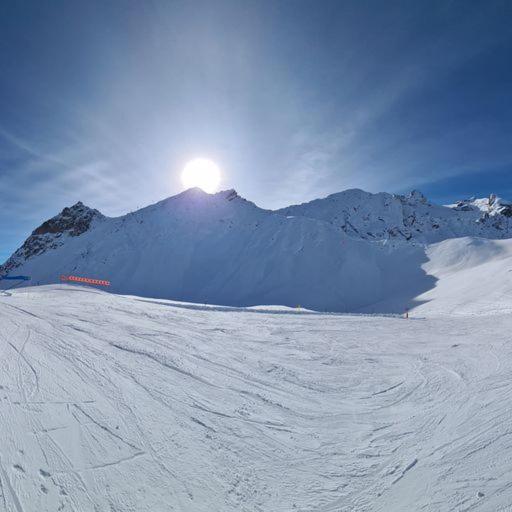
201, 173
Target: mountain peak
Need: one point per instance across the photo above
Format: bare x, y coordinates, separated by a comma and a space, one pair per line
229, 194
383, 216
74, 219
194, 191
198, 194
417, 196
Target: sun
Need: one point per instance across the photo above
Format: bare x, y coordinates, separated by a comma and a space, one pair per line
202, 173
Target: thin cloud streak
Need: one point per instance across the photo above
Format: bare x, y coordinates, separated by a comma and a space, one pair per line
293, 101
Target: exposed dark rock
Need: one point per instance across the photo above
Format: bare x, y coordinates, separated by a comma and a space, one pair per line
71, 221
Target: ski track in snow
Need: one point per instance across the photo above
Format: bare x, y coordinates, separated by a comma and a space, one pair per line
112, 403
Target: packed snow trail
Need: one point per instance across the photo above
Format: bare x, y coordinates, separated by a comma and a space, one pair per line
128, 404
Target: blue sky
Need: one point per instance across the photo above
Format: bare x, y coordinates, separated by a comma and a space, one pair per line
106, 101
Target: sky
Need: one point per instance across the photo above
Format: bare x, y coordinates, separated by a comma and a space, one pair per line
106, 101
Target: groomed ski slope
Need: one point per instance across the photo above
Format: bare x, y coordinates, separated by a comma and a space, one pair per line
116, 403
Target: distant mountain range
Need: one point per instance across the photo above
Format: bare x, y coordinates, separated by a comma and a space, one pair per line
351, 251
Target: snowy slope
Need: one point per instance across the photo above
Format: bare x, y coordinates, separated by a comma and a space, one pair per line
223, 249
128, 404
387, 216
473, 276
470, 276
352, 251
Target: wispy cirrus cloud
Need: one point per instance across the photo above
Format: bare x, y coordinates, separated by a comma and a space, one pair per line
292, 100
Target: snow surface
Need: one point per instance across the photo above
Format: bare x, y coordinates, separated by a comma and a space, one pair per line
349, 252
138, 403
222, 249
473, 276
468, 276
386, 216
125, 403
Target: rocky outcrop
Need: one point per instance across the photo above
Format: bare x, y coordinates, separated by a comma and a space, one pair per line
409, 217
71, 221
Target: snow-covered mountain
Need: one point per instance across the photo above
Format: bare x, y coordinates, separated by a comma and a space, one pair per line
351, 251
387, 216
71, 222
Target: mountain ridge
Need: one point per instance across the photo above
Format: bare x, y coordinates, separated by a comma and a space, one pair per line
341, 253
